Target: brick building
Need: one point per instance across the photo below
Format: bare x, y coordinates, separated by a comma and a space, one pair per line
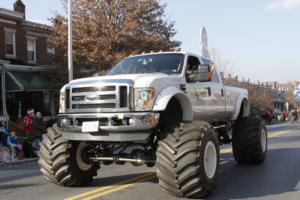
25, 56
263, 95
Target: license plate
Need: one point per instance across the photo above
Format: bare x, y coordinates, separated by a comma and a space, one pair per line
90, 126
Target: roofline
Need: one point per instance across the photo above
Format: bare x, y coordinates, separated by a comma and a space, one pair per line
27, 68
21, 16
31, 24
156, 53
12, 13
170, 52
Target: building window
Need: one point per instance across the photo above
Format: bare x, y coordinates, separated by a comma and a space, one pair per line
31, 50
10, 43
50, 49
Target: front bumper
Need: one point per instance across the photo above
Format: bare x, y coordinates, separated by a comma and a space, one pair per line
113, 127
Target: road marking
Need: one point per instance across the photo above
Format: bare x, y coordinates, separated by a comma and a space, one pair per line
277, 134
101, 194
227, 150
102, 189
131, 182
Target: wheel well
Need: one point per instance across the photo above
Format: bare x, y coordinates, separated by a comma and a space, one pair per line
244, 109
172, 115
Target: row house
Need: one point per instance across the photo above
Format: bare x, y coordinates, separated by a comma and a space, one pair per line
260, 89
25, 57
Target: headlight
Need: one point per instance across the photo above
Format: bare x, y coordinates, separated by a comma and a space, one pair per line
144, 98
62, 102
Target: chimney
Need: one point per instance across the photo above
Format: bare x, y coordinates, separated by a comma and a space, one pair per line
19, 7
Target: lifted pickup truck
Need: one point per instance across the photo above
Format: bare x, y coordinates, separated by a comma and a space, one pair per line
166, 109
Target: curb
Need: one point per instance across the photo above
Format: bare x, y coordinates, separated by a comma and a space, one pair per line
2, 164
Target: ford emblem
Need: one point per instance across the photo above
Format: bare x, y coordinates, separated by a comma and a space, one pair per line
92, 97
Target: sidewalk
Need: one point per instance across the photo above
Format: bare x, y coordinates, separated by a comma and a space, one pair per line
15, 162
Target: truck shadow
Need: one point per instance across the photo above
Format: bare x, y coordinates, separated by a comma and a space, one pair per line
19, 177
15, 186
277, 175
119, 180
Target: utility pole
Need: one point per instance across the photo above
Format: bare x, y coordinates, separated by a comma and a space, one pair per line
70, 41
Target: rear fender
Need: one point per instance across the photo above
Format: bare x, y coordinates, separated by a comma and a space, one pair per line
242, 103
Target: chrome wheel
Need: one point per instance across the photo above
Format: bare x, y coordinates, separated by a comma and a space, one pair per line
263, 140
81, 157
210, 159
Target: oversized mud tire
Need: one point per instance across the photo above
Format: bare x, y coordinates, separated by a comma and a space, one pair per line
250, 140
62, 162
188, 160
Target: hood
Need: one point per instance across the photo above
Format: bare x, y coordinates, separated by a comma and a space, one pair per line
157, 80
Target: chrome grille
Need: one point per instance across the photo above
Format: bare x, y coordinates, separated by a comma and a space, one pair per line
104, 98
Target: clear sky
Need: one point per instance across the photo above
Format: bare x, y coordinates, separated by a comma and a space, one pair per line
261, 38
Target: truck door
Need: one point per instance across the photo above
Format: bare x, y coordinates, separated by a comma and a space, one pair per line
207, 98
218, 97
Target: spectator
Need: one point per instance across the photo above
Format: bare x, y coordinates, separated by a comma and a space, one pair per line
4, 150
4, 153
15, 146
265, 116
28, 150
38, 128
294, 115
278, 117
3, 127
27, 122
269, 117
284, 116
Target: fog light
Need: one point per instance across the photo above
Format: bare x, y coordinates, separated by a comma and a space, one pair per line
131, 121
65, 122
151, 119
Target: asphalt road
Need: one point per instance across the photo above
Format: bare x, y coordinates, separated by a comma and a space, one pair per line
277, 178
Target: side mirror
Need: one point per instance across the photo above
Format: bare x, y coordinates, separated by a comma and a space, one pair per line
203, 74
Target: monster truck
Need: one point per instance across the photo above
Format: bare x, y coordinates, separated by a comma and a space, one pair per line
167, 109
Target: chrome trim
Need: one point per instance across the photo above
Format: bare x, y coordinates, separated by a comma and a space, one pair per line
96, 82
137, 118
136, 132
109, 137
96, 102
117, 84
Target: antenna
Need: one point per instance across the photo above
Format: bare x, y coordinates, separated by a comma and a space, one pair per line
204, 43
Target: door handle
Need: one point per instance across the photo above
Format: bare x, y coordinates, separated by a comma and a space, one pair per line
209, 91
222, 92
183, 87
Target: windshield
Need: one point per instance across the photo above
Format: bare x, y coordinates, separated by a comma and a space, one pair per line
156, 63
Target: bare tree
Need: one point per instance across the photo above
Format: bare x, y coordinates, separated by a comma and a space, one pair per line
105, 31
289, 97
225, 66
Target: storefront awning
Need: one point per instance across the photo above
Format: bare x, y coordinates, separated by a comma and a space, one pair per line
26, 81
